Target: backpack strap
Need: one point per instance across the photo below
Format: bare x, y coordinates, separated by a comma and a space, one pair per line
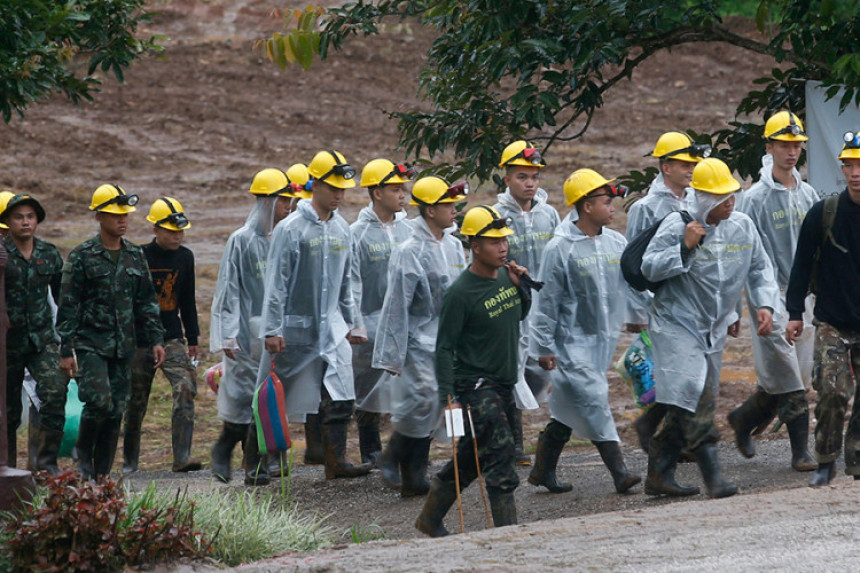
830, 206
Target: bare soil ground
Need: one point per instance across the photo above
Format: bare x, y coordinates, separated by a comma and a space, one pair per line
199, 121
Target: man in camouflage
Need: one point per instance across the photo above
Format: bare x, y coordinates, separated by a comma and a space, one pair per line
32, 274
105, 287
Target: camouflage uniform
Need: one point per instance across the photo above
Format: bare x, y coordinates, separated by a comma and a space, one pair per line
32, 342
100, 301
834, 377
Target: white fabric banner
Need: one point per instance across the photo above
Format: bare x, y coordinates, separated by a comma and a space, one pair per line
825, 126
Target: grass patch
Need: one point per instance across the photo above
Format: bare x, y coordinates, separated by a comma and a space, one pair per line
364, 532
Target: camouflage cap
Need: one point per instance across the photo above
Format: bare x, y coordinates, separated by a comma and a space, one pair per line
23, 199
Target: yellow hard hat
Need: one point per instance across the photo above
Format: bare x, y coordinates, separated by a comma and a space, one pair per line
109, 198
851, 148
484, 221
784, 126
713, 176
582, 182
269, 183
383, 172
434, 190
522, 153
167, 213
332, 168
299, 180
679, 146
4, 198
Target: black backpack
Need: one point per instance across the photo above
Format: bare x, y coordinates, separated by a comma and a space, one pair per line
631, 258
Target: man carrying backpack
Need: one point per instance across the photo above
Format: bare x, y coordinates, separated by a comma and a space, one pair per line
837, 315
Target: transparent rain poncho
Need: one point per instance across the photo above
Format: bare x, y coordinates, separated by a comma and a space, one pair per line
236, 310
419, 272
372, 244
308, 302
532, 231
578, 317
778, 214
693, 309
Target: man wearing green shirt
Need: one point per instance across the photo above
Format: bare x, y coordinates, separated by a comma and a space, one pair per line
476, 366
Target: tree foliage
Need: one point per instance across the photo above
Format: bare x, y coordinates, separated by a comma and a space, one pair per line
50, 46
540, 69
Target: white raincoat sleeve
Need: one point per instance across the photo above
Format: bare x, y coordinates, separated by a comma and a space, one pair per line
279, 266
546, 314
389, 350
762, 289
348, 308
226, 303
358, 328
663, 258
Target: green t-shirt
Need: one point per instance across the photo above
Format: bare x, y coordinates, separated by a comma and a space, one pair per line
479, 332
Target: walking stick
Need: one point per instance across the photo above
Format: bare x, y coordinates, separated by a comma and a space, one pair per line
478, 465
456, 467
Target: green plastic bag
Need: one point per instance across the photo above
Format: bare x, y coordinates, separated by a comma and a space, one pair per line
73, 420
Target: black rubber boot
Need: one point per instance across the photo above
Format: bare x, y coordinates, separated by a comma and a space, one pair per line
369, 442
520, 457
130, 451
334, 447
647, 423
662, 460
33, 438
413, 468
439, 500
502, 506
717, 487
104, 451
798, 435
546, 460
255, 465
183, 431
612, 457
750, 418
314, 455
87, 433
222, 449
47, 450
389, 461
279, 465
823, 475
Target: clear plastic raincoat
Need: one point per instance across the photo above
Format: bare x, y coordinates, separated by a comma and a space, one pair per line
236, 310
372, 244
578, 318
420, 271
692, 311
308, 302
778, 214
532, 231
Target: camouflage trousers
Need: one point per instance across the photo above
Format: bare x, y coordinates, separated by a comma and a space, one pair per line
51, 386
103, 385
682, 428
178, 370
493, 409
834, 377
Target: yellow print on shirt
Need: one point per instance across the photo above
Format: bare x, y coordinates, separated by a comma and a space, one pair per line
505, 299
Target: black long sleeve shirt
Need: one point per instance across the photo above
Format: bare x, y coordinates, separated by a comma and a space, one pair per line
173, 277
837, 301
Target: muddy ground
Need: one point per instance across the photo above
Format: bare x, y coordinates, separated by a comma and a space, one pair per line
197, 122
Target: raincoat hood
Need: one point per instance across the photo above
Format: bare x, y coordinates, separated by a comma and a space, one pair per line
766, 173
507, 200
261, 219
707, 202
368, 215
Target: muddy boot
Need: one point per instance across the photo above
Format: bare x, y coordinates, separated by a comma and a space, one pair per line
717, 487
334, 447
546, 460
748, 418
520, 457
612, 457
48, 447
413, 468
183, 431
222, 449
439, 500
798, 435
647, 423
389, 460
503, 507
279, 465
130, 451
87, 433
823, 475
104, 451
369, 443
662, 460
33, 437
255, 465
314, 455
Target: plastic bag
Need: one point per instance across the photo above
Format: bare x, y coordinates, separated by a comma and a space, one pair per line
74, 407
636, 367
213, 376
270, 415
